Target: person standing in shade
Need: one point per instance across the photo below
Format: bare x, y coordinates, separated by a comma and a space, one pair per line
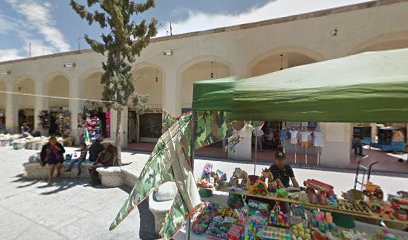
52, 154
107, 158
259, 133
357, 145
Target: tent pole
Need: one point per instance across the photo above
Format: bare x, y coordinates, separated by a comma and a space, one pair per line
192, 148
256, 152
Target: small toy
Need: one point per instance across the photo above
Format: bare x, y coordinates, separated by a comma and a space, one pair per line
206, 174
241, 175
238, 175
227, 212
266, 174
253, 227
235, 232
281, 193
300, 232
235, 201
297, 214
272, 233
201, 225
219, 179
204, 183
256, 207
402, 213
386, 210
359, 206
372, 190
320, 189
322, 221
278, 218
258, 188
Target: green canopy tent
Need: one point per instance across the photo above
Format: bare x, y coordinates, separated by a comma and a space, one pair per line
367, 87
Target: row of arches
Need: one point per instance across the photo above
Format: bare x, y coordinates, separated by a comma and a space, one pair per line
150, 79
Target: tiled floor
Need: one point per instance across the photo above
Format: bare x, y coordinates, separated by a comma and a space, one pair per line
387, 162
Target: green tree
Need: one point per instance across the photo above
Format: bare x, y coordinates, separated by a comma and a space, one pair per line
123, 41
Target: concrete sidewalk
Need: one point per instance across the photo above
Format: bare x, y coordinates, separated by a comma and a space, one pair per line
70, 209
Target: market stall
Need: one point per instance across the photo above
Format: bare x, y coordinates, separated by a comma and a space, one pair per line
368, 87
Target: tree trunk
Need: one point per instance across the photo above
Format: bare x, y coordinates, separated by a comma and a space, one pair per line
119, 136
137, 128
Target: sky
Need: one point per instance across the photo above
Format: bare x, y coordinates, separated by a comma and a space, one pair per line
51, 26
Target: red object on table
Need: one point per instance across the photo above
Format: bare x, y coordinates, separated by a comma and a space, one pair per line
235, 232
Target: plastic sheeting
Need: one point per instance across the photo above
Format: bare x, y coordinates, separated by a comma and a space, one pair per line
367, 87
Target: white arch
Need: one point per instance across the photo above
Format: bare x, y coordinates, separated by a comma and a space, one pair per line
192, 61
386, 38
286, 49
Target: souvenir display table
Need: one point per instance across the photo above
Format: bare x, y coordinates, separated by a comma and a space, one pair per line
311, 211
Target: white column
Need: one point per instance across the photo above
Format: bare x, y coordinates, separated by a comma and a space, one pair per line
39, 104
11, 109
374, 131
171, 93
337, 144
74, 105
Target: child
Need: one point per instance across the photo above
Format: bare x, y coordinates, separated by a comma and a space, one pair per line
282, 172
80, 159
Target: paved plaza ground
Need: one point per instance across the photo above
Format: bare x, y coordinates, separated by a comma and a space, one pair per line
71, 209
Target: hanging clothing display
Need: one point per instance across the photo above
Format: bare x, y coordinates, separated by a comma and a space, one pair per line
304, 138
318, 139
293, 136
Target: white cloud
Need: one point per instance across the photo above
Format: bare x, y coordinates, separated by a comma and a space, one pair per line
38, 16
198, 21
9, 54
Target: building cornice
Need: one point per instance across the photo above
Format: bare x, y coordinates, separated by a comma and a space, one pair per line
298, 17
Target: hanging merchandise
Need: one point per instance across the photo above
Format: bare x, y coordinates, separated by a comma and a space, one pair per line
89, 126
45, 119
293, 136
304, 138
318, 139
63, 123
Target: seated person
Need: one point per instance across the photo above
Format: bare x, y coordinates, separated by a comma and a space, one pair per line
107, 158
80, 159
95, 148
282, 172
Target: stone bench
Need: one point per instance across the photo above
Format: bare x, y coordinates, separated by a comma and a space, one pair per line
111, 176
160, 203
34, 170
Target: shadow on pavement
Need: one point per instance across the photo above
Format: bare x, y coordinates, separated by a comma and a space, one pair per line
56, 186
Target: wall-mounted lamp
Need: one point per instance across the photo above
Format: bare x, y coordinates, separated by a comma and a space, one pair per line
69, 65
168, 52
334, 32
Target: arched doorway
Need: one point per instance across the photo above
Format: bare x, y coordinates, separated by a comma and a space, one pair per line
274, 134
2, 107
58, 86
26, 103
201, 70
59, 115
278, 62
93, 115
145, 129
